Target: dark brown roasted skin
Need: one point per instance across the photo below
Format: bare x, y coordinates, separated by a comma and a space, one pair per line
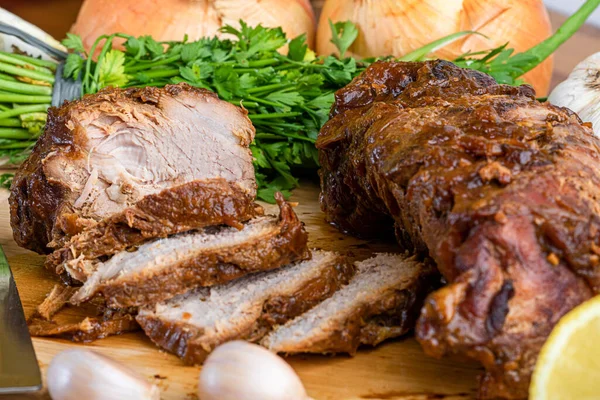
189, 206
500, 190
185, 339
284, 245
43, 216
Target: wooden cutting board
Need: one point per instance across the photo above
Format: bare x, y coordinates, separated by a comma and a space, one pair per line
398, 369
395, 370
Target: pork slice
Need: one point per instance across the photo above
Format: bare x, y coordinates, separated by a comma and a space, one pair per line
193, 324
162, 269
175, 210
106, 152
381, 301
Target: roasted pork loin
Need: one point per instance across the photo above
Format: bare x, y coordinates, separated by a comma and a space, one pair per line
164, 268
179, 152
193, 324
382, 301
502, 191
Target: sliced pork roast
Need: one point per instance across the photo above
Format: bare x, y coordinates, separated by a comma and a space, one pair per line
164, 268
193, 324
179, 149
381, 301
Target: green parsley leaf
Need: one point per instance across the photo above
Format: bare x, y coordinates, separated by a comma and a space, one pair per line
73, 42
297, 48
112, 70
156, 49
73, 66
135, 47
343, 34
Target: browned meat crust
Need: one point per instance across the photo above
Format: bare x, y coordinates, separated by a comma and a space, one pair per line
500, 190
55, 301
284, 244
106, 321
180, 209
43, 215
190, 343
88, 330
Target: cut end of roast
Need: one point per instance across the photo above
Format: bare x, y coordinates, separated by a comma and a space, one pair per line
106, 152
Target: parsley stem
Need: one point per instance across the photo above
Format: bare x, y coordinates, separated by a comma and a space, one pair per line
268, 116
12, 112
288, 135
268, 88
25, 88
14, 133
147, 84
262, 63
142, 67
242, 102
162, 73
10, 122
263, 101
36, 75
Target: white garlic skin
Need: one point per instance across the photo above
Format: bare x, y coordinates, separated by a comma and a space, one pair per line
240, 370
78, 374
581, 92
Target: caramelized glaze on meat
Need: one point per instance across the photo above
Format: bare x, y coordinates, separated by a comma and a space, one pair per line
502, 191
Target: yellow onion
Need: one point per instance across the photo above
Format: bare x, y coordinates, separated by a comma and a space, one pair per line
172, 19
397, 27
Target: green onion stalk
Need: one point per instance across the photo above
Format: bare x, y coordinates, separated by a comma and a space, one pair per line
26, 85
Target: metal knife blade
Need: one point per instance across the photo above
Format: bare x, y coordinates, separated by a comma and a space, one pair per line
19, 370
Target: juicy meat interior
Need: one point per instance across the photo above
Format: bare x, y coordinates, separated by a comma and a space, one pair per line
502, 191
103, 153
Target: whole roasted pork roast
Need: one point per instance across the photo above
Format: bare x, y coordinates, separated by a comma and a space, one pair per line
121, 166
502, 191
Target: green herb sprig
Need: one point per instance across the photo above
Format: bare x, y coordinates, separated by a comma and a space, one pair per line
288, 96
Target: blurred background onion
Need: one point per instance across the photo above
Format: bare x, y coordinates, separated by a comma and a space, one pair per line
397, 27
172, 19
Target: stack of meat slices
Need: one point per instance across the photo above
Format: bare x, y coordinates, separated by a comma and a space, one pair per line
145, 197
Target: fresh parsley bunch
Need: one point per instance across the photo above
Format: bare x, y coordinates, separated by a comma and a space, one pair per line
288, 93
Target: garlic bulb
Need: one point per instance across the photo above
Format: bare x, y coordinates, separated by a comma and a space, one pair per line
172, 19
243, 371
78, 374
397, 27
581, 92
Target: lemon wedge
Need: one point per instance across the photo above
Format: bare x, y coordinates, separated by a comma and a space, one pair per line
569, 364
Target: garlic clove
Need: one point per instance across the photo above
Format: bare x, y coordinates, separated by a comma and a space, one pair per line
240, 370
580, 92
77, 374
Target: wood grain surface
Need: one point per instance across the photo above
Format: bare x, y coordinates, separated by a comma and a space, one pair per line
397, 369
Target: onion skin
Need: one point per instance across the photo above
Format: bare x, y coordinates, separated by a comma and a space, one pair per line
397, 27
172, 19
